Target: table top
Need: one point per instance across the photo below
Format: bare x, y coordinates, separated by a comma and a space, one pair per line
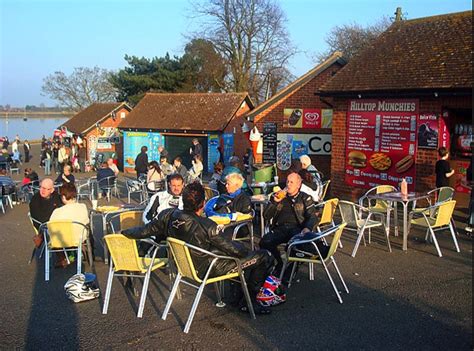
259, 199
397, 196
263, 184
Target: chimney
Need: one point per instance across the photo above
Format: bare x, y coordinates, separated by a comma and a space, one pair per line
398, 14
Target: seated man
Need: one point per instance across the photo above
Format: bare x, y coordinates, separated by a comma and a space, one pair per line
113, 166
166, 168
162, 200
104, 180
179, 168
66, 176
292, 212
44, 202
189, 225
233, 167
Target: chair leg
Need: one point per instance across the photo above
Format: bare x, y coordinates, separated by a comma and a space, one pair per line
370, 236
32, 255
79, 259
46, 264
217, 288
453, 234
339, 274
435, 242
387, 236
359, 237
194, 307
332, 281
90, 254
245, 289
144, 293
283, 269
108, 289
292, 273
311, 271
172, 295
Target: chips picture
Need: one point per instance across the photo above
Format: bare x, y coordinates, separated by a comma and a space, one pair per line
380, 161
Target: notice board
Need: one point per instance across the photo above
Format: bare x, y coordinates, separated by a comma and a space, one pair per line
381, 142
269, 142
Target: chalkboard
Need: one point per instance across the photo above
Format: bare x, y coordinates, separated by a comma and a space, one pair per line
269, 142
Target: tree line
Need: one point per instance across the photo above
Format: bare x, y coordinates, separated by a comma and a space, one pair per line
243, 45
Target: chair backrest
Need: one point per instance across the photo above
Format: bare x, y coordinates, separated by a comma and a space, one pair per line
124, 253
107, 182
62, 234
210, 193
445, 193
33, 222
328, 211
130, 219
335, 239
182, 258
445, 212
325, 189
348, 212
133, 185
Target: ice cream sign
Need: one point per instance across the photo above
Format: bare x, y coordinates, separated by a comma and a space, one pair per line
307, 118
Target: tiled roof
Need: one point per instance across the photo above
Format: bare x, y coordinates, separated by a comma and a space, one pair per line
87, 118
337, 57
425, 53
185, 111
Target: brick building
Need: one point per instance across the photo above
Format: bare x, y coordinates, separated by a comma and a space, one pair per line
301, 95
173, 120
425, 61
98, 123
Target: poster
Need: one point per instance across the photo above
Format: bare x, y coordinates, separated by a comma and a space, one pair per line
212, 152
132, 144
307, 144
461, 185
269, 142
381, 142
228, 146
444, 135
428, 131
307, 118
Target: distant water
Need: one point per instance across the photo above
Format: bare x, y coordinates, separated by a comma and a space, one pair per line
32, 128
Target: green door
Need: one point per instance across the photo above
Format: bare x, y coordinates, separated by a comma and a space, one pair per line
180, 145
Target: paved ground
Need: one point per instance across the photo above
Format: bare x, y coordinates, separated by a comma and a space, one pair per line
412, 300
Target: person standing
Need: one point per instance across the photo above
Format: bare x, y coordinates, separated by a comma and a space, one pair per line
195, 149
141, 162
162, 151
26, 150
63, 156
55, 154
442, 168
47, 156
81, 156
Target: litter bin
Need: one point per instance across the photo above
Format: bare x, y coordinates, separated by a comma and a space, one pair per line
262, 172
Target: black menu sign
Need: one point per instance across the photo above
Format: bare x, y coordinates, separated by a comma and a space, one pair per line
269, 142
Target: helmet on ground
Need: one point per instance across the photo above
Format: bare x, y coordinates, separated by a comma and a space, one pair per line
271, 293
81, 287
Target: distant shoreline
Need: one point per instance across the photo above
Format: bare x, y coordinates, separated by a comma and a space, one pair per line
15, 115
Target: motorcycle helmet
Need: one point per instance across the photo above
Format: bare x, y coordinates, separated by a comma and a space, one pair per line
271, 293
81, 287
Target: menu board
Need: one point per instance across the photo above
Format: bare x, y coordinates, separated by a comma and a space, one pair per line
381, 142
269, 142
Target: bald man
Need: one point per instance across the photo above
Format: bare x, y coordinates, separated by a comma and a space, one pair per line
44, 202
292, 212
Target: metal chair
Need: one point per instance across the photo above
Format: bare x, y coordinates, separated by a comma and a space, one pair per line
210, 193
60, 236
353, 216
436, 218
85, 190
108, 185
296, 254
134, 187
380, 207
324, 190
124, 254
182, 254
36, 230
247, 219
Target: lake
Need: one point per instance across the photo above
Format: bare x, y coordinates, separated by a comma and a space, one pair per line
33, 128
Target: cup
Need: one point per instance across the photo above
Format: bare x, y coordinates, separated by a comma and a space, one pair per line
275, 179
94, 204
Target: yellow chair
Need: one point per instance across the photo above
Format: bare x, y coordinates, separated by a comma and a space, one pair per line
124, 254
327, 214
181, 253
436, 218
296, 255
61, 236
324, 190
127, 220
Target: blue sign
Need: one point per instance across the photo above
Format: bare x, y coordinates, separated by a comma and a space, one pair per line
132, 144
212, 152
228, 146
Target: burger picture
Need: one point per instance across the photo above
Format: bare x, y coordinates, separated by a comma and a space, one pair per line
357, 159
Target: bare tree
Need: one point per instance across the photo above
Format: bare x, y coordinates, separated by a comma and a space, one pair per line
350, 39
251, 37
81, 88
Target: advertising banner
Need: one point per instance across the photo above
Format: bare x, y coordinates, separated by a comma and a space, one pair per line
212, 152
132, 144
307, 118
381, 142
461, 185
444, 136
428, 131
307, 144
228, 146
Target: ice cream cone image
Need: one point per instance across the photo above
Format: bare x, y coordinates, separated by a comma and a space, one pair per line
254, 139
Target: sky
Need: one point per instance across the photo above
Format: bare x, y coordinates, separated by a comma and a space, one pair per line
39, 37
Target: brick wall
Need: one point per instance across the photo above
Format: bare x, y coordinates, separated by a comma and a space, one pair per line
303, 97
240, 142
425, 158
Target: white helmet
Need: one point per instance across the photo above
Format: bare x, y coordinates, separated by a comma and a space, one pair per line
79, 289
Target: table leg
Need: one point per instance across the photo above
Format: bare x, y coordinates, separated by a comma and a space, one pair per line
104, 231
395, 218
405, 225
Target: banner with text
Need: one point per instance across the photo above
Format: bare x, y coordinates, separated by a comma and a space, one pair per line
307, 144
307, 118
132, 144
381, 142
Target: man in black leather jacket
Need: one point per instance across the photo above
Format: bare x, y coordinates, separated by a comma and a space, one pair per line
292, 212
188, 225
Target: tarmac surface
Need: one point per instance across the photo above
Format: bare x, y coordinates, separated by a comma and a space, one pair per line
398, 300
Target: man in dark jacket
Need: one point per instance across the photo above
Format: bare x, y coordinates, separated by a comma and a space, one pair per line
44, 202
292, 212
141, 162
188, 225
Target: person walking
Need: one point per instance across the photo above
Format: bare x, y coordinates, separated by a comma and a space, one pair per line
47, 156
141, 162
55, 154
26, 150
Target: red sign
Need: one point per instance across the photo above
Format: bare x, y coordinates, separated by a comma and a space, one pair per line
311, 118
461, 185
307, 118
381, 142
444, 136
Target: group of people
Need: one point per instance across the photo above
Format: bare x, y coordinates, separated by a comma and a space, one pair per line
13, 158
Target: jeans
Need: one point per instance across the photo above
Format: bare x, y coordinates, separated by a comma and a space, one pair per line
56, 165
278, 235
47, 166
